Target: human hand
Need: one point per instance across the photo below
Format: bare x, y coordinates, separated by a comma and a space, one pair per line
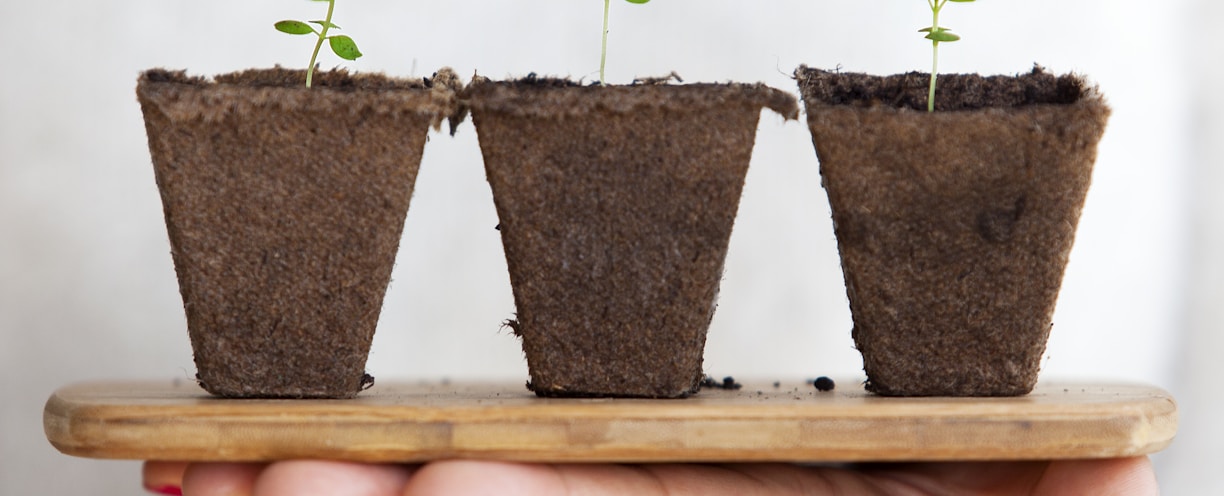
1128, 476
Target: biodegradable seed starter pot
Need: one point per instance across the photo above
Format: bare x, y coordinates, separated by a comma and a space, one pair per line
285, 206
616, 207
954, 227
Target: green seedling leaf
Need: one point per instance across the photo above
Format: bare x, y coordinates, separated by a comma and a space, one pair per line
325, 24
644, 1
942, 36
344, 47
294, 27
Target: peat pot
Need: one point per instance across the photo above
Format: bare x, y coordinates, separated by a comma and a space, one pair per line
285, 207
953, 227
616, 207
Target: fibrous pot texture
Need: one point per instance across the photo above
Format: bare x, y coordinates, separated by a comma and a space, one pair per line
954, 227
285, 207
616, 207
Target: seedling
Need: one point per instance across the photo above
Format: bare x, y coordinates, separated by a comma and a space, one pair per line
603, 55
343, 46
937, 35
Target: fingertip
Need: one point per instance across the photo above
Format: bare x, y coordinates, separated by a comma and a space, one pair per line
221, 479
464, 478
1121, 477
163, 477
328, 478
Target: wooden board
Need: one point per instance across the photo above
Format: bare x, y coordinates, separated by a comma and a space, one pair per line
410, 422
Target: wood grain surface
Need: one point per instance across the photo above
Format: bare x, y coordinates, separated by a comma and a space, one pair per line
409, 422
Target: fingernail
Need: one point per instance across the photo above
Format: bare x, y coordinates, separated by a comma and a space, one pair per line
169, 490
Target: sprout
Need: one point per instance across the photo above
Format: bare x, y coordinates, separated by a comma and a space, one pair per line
343, 46
603, 56
937, 35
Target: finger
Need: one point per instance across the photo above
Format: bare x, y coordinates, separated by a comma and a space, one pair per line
163, 477
323, 478
1127, 476
221, 479
460, 478
1001, 478
1122, 477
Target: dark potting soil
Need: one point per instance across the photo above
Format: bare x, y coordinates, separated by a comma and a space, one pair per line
523, 95
292, 78
954, 91
536, 81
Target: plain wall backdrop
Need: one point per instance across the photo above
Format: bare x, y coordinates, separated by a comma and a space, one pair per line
87, 287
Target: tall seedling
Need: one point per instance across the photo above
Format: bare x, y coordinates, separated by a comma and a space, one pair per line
937, 35
343, 46
603, 55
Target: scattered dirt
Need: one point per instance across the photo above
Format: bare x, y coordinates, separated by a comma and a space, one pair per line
727, 383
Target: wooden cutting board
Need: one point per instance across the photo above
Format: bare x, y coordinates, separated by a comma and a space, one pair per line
410, 422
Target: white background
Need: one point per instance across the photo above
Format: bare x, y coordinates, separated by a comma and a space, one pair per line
87, 288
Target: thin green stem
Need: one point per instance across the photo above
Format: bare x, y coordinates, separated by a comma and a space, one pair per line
331, 7
935, 6
603, 54
934, 75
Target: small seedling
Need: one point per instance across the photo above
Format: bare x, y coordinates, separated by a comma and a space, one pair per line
343, 46
603, 55
937, 35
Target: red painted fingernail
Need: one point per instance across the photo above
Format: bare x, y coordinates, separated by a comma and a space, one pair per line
169, 490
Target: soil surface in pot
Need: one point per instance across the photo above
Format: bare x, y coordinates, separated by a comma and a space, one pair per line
954, 228
284, 207
954, 91
616, 206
